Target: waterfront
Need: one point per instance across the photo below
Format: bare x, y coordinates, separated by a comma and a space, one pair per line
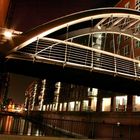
19, 126
24, 126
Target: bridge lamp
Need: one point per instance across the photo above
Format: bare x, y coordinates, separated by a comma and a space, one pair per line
99, 27
8, 34
139, 65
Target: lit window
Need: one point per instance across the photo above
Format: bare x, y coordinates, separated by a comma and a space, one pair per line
85, 105
127, 5
136, 103
60, 107
92, 91
54, 107
50, 107
121, 103
65, 107
71, 106
106, 104
44, 107
93, 103
77, 106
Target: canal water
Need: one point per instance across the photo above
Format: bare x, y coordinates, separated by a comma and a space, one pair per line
15, 125
18, 126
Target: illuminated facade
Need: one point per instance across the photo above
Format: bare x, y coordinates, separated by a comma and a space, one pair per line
38, 94
43, 95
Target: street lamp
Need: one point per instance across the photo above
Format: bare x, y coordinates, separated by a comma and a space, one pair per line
8, 34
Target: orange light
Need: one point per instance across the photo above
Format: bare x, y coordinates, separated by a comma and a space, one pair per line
8, 34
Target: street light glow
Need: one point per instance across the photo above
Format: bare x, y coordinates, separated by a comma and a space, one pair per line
8, 34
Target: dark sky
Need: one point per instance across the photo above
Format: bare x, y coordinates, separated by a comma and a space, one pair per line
17, 87
27, 14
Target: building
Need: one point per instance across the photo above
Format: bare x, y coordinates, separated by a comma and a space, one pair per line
128, 43
59, 96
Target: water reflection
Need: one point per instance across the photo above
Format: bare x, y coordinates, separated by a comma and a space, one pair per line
18, 126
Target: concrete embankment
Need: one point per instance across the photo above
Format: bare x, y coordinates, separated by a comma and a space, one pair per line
15, 137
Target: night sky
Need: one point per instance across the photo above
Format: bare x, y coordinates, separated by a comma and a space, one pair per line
27, 14
17, 87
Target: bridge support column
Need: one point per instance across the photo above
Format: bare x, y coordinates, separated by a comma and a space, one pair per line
129, 103
99, 103
112, 104
89, 104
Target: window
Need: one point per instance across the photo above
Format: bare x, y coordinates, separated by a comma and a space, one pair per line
137, 5
71, 106
92, 91
93, 103
137, 28
60, 107
65, 106
85, 105
136, 103
77, 106
127, 5
121, 103
106, 104
126, 50
137, 44
126, 38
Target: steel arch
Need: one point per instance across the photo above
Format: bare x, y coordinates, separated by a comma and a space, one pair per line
112, 17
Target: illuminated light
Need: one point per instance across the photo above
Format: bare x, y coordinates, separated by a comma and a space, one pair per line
137, 100
118, 123
139, 65
100, 36
106, 104
99, 27
8, 34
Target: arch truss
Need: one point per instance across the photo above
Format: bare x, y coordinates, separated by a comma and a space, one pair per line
91, 40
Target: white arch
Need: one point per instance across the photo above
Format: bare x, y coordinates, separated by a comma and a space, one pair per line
48, 28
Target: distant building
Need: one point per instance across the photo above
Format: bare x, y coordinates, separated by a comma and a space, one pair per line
38, 94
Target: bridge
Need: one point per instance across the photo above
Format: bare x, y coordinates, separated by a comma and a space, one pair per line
80, 44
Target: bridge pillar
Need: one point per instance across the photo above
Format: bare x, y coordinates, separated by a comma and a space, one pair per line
112, 104
129, 103
99, 103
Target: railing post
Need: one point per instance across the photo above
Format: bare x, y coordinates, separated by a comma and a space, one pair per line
115, 65
66, 49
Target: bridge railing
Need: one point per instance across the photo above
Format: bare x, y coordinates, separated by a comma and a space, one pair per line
67, 53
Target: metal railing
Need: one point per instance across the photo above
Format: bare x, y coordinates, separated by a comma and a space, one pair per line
35, 126
70, 54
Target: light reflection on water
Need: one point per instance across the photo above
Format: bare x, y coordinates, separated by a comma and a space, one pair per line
18, 126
